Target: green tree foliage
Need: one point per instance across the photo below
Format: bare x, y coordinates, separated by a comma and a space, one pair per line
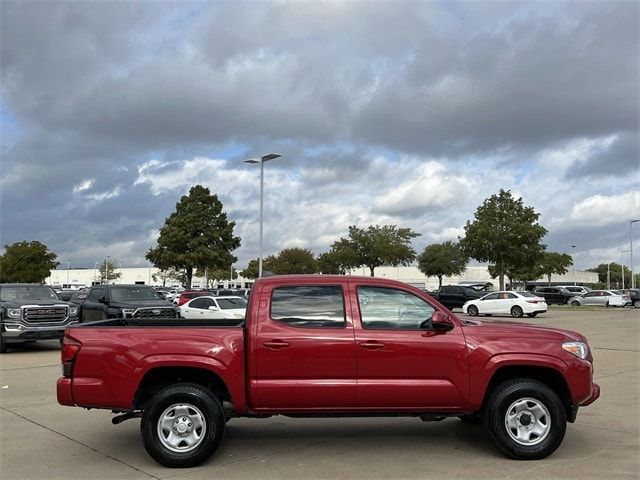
26, 262
291, 261
551, 263
108, 271
251, 270
442, 259
167, 275
504, 233
332, 263
615, 270
197, 235
376, 246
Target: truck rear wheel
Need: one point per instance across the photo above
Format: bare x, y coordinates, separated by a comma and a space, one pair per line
182, 425
525, 419
3, 345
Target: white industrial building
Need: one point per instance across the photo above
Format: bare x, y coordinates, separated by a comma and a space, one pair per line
80, 277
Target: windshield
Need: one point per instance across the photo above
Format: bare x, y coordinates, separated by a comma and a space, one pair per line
232, 303
27, 292
133, 294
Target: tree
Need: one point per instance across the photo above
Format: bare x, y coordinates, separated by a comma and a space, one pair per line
442, 259
196, 235
331, 262
27, 262
108, 271
376, 246
504, 233
615, 272
292, 261
554, 263
168, 274
251, 270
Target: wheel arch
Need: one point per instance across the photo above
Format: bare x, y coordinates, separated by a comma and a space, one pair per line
160, 377
551, 377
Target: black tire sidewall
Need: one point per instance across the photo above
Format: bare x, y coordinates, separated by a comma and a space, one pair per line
472, 308
517, 311
507, 393
213, 417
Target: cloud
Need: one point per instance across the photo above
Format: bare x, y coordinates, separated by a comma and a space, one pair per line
409, 114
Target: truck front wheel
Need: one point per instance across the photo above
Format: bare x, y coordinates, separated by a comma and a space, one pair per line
182, 425
525, 419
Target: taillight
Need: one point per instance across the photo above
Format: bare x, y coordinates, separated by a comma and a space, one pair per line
68, 352
532, 301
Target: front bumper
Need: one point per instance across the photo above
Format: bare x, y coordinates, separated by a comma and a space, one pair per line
595, 393
19, 333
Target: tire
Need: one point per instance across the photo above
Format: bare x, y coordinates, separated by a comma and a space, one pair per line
531, 315
516, 311
607, 305
575, 303
636, 303
195, 412
472, 310
518, 407
3, 345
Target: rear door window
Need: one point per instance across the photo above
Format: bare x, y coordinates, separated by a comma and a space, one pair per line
309, 306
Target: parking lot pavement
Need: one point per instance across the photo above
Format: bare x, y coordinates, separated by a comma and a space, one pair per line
40, 439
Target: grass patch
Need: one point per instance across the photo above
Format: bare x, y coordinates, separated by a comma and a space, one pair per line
582, 308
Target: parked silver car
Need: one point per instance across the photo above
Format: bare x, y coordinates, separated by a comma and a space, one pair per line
604, 298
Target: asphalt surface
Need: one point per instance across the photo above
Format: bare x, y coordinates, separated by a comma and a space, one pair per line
42, 440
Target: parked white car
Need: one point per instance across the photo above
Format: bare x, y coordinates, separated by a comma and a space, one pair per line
512, 303
604, 298
214, 308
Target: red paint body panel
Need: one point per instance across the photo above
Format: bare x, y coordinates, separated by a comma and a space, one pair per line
272, 367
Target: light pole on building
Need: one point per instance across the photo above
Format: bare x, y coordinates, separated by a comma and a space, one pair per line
262, 160
633, 278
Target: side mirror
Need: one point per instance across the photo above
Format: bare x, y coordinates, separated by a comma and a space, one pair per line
441, 321
214, 308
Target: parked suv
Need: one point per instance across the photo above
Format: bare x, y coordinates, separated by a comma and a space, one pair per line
125, 301
452, 296
558, 295
31, 312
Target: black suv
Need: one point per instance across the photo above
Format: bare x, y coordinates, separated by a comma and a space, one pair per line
559, 295
125, 301
30, 312
452, 296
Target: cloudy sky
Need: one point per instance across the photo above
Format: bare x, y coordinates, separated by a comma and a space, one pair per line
408, 113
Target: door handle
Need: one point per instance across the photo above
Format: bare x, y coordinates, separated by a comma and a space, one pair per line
276, 344
372, 345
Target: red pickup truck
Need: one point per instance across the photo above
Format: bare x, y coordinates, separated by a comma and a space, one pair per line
328, 345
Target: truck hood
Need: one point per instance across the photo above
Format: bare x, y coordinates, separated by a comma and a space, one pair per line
142, 304
38, 302
517, 329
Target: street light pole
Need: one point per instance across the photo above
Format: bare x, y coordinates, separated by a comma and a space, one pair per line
261, 161
573, 255
608, 276
633, 278
622, 252
68, 271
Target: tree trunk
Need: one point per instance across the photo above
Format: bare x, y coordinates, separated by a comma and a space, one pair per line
549, 278
372, 269
189, 271
439, 281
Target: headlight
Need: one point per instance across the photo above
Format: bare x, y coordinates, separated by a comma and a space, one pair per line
14, 313
73, 311
579, 349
